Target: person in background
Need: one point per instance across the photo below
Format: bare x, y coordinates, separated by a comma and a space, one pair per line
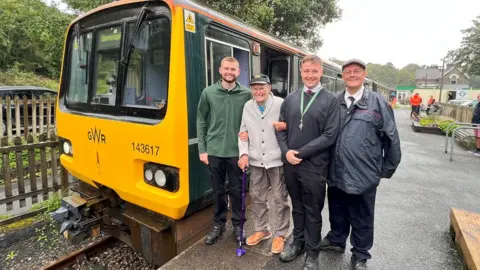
415, 102
476, 132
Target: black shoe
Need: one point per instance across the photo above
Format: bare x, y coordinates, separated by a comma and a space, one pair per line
358, 264
214, 234
326, 245
311, 263
236, 232
291, 252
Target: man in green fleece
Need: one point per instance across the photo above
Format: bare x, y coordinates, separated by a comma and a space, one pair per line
218, 123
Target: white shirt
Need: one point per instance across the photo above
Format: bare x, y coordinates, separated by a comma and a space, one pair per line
314, 90
357, 96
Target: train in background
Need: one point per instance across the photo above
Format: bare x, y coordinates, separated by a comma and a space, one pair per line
132, 75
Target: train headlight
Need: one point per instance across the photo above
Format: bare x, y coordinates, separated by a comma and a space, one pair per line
160, 178
66, 146
148, 174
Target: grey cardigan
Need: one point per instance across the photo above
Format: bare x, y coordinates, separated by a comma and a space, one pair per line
262, 146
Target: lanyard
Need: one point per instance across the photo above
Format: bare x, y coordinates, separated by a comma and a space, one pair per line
304, 111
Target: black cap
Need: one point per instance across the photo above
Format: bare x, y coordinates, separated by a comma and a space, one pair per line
259, 79
354, 61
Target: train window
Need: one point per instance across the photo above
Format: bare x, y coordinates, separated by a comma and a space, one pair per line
79, 58
300, 81
147, 77
328, 83
216, 51
340, 86
279, 77
107, 58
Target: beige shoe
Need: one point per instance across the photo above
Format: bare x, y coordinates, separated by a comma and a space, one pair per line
257, 237
278, 244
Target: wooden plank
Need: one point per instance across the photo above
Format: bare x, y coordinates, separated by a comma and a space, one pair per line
17, 116
41, 115
54, 150
34, 115
64, 180
31, 166
466, 226
23, 147
25, 117
49, 114
30, 194
9, 117
6, 174
22, 216
20, 176
43, 166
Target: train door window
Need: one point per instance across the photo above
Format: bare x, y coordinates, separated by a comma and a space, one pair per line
340, 86
79, 60
216, 51
107, 57
147, 77
279, 77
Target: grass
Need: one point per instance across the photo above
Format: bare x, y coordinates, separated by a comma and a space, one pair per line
15, 76
441, 122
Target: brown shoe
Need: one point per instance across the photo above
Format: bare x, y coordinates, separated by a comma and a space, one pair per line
278, 244
257, 237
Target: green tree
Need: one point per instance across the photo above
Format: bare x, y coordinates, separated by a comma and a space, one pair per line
32, 36
297, 21
467, 57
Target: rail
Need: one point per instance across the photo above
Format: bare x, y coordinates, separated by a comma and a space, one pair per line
447, 132
453, 136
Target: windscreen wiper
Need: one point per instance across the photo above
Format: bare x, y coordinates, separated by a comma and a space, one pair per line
141, 17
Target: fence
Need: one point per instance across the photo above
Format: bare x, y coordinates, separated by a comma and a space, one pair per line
462, 114
29, 151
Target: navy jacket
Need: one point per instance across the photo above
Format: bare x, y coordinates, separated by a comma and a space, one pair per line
367, 147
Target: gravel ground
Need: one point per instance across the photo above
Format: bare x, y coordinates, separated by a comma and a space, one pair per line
41, 244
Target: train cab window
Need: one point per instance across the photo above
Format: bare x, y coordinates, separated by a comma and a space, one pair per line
107, 58
147, 77
279, 78
79, 59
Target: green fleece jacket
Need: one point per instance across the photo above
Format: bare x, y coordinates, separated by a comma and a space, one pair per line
218, 119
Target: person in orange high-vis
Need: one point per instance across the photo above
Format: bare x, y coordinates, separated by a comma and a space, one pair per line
415, 101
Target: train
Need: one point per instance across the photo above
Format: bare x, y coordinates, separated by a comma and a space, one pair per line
131, 79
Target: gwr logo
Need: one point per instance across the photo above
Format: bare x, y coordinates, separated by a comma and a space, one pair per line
96, 136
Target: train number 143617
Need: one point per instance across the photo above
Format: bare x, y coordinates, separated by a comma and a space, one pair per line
145, 148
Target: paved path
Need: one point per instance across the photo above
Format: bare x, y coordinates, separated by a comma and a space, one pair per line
412, 215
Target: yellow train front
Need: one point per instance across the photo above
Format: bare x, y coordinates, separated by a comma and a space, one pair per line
127, 130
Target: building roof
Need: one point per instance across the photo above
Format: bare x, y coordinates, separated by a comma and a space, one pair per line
430, 73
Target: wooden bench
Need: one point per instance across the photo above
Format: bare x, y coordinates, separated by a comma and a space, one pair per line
465, 227
465, 137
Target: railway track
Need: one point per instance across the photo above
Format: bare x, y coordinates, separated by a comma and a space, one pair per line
82, 254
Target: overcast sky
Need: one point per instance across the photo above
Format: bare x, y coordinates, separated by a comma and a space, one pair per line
398, 31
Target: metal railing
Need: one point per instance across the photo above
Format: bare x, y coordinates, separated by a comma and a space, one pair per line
448, 129
453, 136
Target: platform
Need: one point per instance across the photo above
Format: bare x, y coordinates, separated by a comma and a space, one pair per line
466, 228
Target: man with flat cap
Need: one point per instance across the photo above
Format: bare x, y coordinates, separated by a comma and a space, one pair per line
367, 149
262, 153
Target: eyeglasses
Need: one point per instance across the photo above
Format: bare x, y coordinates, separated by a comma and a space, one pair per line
355, 72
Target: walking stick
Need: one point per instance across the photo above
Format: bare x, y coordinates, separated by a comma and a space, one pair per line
241, 250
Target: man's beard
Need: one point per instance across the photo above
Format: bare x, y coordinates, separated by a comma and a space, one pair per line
229, 81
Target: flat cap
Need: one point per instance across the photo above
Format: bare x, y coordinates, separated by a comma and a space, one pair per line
259, 79
354, 61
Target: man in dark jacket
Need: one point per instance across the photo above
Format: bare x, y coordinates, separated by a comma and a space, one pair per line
476, 120
312, 116
367, 149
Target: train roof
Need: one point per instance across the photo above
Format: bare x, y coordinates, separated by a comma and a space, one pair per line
229, 20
